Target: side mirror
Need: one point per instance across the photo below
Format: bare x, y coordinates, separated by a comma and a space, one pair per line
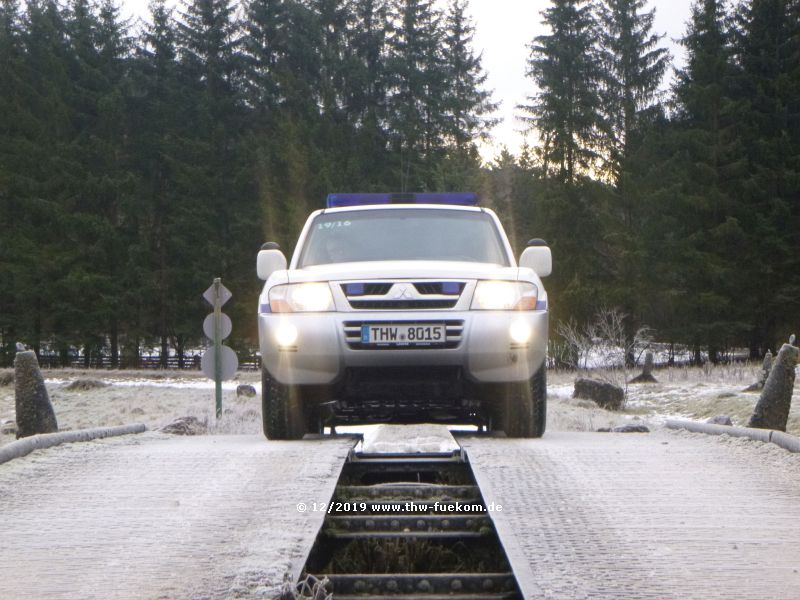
537, 256
270, 259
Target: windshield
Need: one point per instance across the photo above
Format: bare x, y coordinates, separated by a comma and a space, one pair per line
403, 234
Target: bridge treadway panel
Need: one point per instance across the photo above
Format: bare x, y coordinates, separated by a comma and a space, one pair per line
662, 515
161, 517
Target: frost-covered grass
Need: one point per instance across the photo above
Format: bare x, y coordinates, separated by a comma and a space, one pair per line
152, 398
157, 398
691, 392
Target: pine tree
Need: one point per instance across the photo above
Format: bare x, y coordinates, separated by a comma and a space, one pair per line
333, 19
264, 42
215, 175
281, 46
13, 112
766, 47
564, 66
417, 86
632, 69
94, 212
366, 94
44, 168
161, 256
466, 103
710, 158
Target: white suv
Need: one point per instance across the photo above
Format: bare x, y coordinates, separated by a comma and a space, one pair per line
403, 308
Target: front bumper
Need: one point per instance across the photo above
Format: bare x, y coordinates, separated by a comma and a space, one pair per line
479, 343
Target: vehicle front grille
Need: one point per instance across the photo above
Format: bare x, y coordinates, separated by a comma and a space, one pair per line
366, 289
402, 304
352, 333
403, 295
440, 287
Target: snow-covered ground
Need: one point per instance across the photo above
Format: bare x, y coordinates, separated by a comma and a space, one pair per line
691, 392
157, 398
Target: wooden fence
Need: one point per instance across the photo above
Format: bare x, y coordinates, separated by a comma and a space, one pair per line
247, 362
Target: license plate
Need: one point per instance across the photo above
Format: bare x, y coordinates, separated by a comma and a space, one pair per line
404, 335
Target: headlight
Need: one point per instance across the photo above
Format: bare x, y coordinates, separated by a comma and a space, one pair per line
286, 334
301, 297
505, 295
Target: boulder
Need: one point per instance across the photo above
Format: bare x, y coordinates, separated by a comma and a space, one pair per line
630, 429
82, 385
246, 390
34, 411
624, 429
606, 395
772, 409
646, 375
186, 426
720, 420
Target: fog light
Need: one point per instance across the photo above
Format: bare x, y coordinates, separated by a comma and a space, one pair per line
286, 334
520, 332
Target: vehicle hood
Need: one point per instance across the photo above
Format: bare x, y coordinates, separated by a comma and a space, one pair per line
422, 269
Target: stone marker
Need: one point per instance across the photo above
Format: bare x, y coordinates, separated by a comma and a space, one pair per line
646, 375
35, 414
772, 409
606, 395
766, 367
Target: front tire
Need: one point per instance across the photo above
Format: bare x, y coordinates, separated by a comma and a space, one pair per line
281, 410
521, 409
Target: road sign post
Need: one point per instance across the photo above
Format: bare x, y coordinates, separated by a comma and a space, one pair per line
219, 362
217, 348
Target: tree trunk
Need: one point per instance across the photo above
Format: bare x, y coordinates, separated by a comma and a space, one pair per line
697, 360
181, 352
713, 355
114, 344
164, 353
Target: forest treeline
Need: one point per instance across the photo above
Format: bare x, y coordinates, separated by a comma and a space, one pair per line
139, 161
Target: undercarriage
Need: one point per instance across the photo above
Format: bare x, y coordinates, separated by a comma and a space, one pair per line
404, 395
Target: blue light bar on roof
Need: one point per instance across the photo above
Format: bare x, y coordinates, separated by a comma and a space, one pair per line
452, 198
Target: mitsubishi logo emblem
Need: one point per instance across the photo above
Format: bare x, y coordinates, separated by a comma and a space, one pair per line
402, 292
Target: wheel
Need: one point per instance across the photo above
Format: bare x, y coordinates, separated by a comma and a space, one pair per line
281, 410
521, 409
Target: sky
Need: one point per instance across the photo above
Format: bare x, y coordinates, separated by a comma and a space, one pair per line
503, 31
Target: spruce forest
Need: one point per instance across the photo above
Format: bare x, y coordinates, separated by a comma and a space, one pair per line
140, 161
